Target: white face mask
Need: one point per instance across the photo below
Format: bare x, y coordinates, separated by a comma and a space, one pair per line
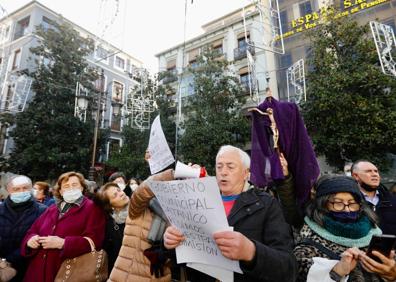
121, 185
72, 195
134, 186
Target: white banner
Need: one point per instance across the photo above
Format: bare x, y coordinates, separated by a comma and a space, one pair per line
160, 154
194, 206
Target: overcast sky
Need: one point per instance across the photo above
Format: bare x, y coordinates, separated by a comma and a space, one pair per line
141, 28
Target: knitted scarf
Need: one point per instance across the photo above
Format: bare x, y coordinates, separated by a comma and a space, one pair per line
343, 241
353, 230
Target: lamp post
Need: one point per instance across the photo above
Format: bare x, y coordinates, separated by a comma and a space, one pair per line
82, 102
91, 175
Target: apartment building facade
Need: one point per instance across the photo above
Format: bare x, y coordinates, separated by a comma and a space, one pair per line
16, 38
229, 37
298, 16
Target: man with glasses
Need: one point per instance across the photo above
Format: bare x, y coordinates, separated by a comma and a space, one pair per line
376, 195
17, 214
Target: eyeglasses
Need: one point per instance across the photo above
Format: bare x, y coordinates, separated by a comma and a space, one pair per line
340, 206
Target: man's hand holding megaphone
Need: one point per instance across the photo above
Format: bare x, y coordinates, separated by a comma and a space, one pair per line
189, 171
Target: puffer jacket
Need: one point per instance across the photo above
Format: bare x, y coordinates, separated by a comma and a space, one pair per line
131, 264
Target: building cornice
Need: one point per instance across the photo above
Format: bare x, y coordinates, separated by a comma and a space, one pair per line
210, 33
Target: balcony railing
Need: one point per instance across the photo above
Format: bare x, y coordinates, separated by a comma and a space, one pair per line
219, 53
245, 89
240, 52
19, 33
169, 76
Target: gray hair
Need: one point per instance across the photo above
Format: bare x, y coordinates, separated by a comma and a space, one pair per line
245, 159
18, 180
355, 165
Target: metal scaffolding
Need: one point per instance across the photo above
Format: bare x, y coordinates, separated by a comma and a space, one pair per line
268, 26
139, 105
252, 79
384, 38
296, 90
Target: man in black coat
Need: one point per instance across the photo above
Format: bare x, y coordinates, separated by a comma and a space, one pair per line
261, 240
376, 195
17, 214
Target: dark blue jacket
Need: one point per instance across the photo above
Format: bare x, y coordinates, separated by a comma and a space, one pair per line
13, 227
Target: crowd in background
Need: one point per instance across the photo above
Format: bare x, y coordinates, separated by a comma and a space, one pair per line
274, 238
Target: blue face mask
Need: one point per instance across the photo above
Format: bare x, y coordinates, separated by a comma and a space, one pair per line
347, 217
20, 197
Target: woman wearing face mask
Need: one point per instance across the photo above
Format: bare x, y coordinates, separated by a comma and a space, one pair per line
133, 183
115, 203
120, 179
338, 222
41, 193
58, 234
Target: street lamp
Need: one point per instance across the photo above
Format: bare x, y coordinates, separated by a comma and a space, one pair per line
82, 102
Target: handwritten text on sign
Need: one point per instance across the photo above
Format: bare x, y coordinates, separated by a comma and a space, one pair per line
195, 207
160, 154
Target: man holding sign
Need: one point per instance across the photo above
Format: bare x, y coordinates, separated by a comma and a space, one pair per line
261, 240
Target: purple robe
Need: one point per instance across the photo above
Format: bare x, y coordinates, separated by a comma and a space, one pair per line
294, 143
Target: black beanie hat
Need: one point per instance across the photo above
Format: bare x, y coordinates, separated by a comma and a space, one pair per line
338, 184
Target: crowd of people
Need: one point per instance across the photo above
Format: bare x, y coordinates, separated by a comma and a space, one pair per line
274, 238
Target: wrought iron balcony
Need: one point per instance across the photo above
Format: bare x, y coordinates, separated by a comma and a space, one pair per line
245, 88
240, 52
218, 53
169, 76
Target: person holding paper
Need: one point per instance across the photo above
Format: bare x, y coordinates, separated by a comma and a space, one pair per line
261, 240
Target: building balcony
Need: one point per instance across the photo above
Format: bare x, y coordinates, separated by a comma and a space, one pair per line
20, 33
169, 76
245, 89
218, 54
240, 52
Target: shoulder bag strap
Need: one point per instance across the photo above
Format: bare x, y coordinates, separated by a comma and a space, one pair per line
323, 249
91, 243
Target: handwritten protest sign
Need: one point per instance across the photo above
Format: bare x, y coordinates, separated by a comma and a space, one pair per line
195, 207
160, 154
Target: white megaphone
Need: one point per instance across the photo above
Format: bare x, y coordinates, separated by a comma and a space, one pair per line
184, 171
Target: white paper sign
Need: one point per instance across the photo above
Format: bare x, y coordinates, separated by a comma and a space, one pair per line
221, 274
195, 207
160, 154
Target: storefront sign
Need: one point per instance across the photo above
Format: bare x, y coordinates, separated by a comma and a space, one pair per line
314, 19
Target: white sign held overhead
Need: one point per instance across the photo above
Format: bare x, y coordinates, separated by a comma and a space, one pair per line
194, 206
160, 154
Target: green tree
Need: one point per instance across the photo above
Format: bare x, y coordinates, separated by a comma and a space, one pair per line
49, 140
350, 110
212, 116
130, 159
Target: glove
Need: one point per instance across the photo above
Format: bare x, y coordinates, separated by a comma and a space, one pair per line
157, 257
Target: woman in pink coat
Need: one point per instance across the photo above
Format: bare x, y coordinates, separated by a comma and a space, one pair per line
59, 232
